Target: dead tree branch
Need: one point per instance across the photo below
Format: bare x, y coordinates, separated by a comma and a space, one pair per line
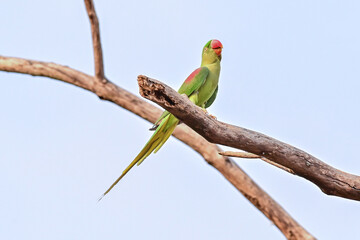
95, 33
229, 169
330, 180
239, 154
251, 155
109, 91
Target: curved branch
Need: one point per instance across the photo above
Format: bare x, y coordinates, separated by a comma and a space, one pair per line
95, 33
330, 180
229, 169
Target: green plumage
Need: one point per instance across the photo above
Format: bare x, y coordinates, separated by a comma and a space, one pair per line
201, 87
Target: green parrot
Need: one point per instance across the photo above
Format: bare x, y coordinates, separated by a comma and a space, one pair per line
200, 86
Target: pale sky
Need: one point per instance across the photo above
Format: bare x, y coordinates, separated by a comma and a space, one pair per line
290, 70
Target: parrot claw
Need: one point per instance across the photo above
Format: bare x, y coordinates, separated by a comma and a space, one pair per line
186, 96
213, 117
207, 113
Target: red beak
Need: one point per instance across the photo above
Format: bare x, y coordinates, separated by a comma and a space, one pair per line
217, 46
218, 51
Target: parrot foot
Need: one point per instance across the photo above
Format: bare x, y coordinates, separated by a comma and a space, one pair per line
213, 117
184, 95
187, 97
207, 113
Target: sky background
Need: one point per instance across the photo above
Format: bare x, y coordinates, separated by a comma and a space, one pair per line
290, 70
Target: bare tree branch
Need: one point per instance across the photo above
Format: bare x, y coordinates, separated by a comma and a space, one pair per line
330, 180
239, 154
251, 155
95, 32
232, 172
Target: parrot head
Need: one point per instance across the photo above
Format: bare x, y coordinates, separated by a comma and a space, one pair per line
212, 51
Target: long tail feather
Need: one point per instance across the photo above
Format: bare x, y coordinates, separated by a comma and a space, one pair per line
157, 140
166, 137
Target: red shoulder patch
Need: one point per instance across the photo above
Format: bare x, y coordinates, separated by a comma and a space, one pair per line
192, 75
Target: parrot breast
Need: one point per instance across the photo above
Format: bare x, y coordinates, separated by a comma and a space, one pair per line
209, 86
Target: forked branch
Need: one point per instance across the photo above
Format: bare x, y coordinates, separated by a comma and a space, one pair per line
95, 33
251, 155
229, 169
329, 179
109, 91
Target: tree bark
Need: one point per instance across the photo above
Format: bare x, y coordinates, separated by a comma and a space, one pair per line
106, 90
95, 34
329, 179
113, 93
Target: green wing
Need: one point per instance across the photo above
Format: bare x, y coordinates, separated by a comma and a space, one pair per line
212, 98
191, 84
194, 81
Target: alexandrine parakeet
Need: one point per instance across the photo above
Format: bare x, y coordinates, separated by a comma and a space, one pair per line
200, 86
